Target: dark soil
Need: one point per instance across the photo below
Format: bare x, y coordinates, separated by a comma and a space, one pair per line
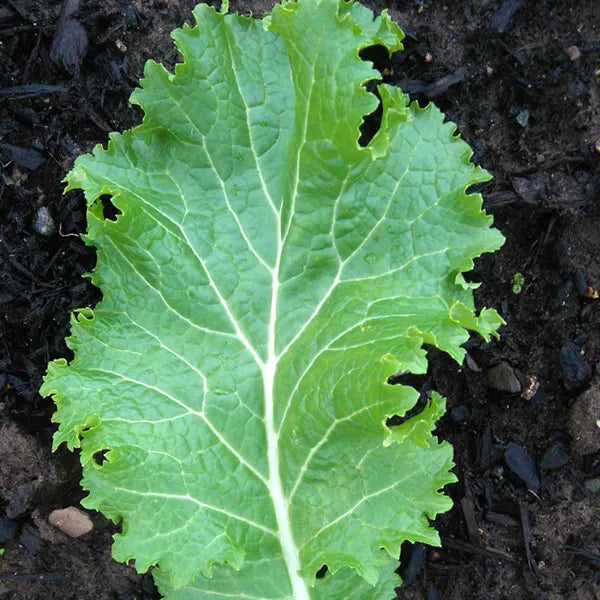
523, 87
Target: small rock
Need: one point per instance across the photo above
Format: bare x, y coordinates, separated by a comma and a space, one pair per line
522, 465
573, 52
502, 377
460, 413
576, 371
71, 520
43, 223
582, 424
523, 117
555, 457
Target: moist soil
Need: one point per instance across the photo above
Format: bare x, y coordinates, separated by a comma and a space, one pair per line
521, 82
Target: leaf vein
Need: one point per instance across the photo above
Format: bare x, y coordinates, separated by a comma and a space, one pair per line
201, 504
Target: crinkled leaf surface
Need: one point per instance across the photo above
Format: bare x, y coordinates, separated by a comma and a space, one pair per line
264, 277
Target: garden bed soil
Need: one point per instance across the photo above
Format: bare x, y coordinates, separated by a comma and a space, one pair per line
521, 80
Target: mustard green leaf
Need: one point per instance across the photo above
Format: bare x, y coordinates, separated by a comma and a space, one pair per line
264, 277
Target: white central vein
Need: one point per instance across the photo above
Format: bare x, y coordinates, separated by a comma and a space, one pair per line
290, 552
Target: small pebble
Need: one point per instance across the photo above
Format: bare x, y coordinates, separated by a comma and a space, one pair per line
43, 223
502, 377
71, 520
523, 117
573, 52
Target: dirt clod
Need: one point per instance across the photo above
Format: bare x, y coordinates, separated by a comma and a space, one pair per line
583, 418
20, 500
575, 368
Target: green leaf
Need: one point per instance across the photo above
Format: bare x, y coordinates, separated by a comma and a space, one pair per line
264, 277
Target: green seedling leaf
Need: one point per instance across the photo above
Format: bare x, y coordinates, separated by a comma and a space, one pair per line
264, 276
517, 283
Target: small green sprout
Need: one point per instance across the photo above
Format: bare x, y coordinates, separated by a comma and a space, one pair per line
517, 283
